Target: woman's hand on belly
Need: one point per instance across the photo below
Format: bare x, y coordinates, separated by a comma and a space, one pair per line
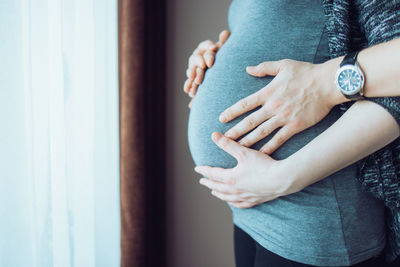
257, 178
201, 59
296, 99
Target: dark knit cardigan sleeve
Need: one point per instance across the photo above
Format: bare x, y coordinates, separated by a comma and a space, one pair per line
353, 25
379, 22
379, 172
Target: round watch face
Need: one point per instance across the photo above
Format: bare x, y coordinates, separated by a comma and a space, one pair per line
350, 81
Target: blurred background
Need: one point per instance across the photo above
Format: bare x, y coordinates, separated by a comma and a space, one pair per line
94, 158
199, 226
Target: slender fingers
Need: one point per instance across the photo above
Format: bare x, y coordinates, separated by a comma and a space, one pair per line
263, 130
231, 147
214, 173
202, 57
277, 140
209, 57
248, 123
242, 106
242, 204
227, 197
187, 86
196, 67
218, 186
191, 72
197, 60
193, 89
206, 45
223, 36
265, 68
248, 203
199, 76
191, 102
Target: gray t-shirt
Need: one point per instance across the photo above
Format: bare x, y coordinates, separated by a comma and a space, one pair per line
330, 223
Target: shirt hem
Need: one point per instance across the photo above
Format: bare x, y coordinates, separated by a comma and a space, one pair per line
334, 260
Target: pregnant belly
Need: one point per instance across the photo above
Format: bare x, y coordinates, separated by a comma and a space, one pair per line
224, 84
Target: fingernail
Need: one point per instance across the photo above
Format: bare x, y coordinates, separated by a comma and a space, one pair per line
196, 169
222, 118
215, 136
228, 134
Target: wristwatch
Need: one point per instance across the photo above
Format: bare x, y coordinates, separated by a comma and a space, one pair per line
350, 78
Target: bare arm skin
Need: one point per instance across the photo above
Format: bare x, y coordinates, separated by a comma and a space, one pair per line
362, 130
257, 178
302, 93
381, 66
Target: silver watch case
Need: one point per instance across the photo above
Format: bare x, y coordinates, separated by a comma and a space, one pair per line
356, 68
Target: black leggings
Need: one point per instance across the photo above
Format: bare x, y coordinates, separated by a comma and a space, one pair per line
249, 253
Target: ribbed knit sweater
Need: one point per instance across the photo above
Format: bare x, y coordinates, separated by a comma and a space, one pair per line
353, 25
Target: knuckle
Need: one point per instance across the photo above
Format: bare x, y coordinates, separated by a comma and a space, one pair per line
262, 131
263, 65
251, 122
296, 124
266, 148
285, 62
204, 44
232, 133
223, 142
197, 59
275, 104
258, 97
265, 112
209, 52
244, 104
190, 73
280, 139
243, 141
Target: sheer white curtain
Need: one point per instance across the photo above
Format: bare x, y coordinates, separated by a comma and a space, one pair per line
59, 174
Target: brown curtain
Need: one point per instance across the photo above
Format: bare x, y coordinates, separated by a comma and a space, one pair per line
141, 29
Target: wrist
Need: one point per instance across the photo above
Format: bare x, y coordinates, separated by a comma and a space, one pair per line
292, 176
326, 74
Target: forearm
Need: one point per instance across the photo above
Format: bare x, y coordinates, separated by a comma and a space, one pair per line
363, 129
381, 66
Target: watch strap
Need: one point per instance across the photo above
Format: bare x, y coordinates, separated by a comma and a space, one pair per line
355, 97
350, 59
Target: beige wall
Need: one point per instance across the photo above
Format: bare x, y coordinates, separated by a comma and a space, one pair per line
199, 225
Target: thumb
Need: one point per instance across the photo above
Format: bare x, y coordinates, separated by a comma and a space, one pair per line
230, 146
266, 68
